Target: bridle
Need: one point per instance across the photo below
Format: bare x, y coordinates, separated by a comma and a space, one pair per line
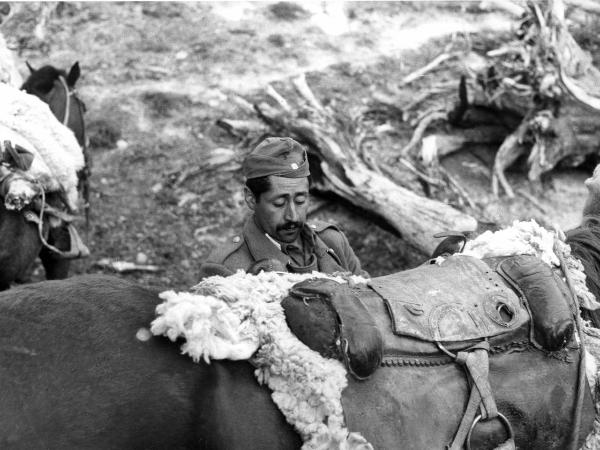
84, 145
68, 94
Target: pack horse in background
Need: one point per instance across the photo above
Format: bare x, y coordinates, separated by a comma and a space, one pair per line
42, 165
56, 87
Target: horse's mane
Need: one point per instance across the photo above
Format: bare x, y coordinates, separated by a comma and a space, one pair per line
585, 245
42, 80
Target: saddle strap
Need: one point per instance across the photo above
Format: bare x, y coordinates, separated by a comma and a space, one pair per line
476, 362
77, 248
467, 420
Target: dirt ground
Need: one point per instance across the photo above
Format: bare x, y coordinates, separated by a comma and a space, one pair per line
156, 77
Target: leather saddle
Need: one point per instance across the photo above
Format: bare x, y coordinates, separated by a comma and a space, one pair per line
462, 353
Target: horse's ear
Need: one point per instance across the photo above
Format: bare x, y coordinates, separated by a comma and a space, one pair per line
73, 74
31, 69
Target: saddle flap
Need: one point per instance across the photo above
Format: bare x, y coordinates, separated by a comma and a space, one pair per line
458, 299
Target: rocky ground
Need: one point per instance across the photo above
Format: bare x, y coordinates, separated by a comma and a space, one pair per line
157, 76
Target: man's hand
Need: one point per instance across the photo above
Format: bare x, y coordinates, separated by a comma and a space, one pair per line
266, 265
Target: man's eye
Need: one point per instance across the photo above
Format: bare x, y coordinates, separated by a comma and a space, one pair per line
279, 203
300, 200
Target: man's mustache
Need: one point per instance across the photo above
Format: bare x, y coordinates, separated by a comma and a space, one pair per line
289, 226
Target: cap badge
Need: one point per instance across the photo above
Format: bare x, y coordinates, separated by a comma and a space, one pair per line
294, 166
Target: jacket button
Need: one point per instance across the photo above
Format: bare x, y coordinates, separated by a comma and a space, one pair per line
313, 226
236, 239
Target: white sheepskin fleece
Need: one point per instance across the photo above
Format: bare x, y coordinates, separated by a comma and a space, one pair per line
240, 317
28, 121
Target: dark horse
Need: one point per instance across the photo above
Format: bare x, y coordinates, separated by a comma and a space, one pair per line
74, 376
79, 370
20, 241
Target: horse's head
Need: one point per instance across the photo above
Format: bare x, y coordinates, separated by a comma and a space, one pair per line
57, 88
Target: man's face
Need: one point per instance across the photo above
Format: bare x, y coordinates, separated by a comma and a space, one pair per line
281, 211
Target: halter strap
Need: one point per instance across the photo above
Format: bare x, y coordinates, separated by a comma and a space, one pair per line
67, 100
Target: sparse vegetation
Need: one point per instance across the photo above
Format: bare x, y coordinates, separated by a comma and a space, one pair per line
159, 75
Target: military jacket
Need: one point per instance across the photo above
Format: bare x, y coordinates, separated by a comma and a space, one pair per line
332, 252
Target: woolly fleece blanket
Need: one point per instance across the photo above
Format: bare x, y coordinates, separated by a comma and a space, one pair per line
28, 121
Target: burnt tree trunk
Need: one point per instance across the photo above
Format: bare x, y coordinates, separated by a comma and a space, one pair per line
544, 79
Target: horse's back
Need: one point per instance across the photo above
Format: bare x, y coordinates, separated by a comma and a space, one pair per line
74, 375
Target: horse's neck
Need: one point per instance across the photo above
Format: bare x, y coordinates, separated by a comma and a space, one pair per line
75, 121
77, 125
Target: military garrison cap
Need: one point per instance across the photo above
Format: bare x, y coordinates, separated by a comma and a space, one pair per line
279, 156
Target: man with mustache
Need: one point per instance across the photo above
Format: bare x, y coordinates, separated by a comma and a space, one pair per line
276, 236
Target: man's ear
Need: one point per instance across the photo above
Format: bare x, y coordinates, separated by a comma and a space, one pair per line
250, 198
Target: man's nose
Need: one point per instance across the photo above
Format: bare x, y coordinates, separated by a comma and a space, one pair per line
291, 214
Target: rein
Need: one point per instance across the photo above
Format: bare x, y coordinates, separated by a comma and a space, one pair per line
78, 249
84, 146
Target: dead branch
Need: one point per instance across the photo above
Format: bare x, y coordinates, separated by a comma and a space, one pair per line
302, 87
509, 152
282, 102
458, 188
241, 128
534, 201
420, 130
436, 146
420, 174
427, 68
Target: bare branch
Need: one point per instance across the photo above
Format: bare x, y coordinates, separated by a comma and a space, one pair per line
305, 91
432, 65
420, 130
278, 98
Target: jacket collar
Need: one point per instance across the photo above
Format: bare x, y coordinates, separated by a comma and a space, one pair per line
259, 245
